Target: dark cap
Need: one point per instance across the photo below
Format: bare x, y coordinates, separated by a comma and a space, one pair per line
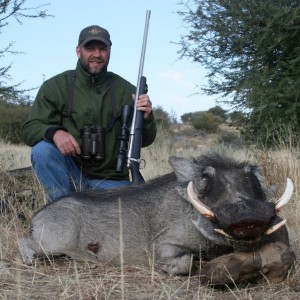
93, 33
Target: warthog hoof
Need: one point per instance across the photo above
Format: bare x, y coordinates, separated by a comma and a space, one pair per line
26, 252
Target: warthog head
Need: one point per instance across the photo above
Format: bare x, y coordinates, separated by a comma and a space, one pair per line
230, 200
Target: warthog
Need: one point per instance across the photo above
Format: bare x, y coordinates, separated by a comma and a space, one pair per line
207, 207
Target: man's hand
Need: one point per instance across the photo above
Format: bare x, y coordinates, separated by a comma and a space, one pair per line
144, 104
66, 143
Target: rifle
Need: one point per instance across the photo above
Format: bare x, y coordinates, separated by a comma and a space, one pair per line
136, 128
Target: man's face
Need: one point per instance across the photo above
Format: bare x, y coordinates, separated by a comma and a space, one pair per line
94, 56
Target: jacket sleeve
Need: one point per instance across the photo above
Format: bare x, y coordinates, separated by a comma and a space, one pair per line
43, 115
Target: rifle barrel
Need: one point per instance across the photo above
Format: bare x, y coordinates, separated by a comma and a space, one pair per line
138, 88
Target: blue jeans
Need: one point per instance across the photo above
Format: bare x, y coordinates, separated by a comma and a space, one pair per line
61, 175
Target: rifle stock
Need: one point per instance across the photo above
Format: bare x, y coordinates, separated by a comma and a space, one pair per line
137, 136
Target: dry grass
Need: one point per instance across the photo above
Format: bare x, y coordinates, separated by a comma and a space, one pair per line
13, 156
68, 279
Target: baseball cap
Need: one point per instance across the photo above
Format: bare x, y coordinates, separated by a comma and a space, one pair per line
92, 33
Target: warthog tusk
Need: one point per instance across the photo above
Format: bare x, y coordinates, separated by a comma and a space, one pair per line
275, 227
198, 205
287, 195
224, 233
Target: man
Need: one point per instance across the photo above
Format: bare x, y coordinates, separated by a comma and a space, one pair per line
68, 103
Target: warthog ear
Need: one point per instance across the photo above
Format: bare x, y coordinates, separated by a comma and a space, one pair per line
184, 169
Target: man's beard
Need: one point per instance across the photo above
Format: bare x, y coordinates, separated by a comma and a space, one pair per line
91, 70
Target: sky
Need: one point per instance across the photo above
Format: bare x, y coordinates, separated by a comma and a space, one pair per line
49, 48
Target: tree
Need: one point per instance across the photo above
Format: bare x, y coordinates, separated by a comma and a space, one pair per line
162, 118
186, 117
14, 101
17, 10
205, 121
251, 50
218, 111
236, 118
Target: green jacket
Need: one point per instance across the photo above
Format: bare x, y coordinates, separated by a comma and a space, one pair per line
92, 105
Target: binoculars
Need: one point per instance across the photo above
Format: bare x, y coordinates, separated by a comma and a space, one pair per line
93, 142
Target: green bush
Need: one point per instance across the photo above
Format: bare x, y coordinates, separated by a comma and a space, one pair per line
12, 116
205, 121
186, 117
162, 118
218, 111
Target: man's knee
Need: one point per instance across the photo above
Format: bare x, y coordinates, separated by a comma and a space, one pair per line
44, 151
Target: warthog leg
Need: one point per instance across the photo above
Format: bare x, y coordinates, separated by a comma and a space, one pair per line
27, 253
173, 260
272, 261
